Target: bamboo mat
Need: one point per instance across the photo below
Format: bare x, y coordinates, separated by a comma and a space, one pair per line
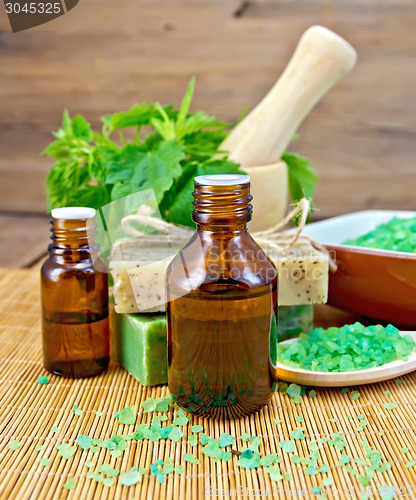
29, 410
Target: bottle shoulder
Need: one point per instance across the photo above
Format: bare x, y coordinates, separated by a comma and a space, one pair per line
237, 261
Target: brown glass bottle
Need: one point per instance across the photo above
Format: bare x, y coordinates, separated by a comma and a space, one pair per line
222, 307
74, 298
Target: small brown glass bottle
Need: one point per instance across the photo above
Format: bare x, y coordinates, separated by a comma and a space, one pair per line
74, 298
222, 307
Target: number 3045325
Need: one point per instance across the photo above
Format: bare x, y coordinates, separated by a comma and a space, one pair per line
34, 8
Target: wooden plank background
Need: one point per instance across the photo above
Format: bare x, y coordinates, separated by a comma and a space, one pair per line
105, 55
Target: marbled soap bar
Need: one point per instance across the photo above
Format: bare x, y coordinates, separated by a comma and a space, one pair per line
139, 344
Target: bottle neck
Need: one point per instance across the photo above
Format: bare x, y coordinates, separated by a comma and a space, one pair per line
221, 208
73, 239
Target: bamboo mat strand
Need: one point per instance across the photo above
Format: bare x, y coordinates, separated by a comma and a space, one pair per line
28, 411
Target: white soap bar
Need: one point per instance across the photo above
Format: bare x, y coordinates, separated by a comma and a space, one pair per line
138, 271
303, 274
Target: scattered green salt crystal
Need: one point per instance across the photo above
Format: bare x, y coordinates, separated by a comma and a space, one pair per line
193, 440
405, 450
43, 462
295, 459
94, 475
164, 432
178, 469
149, 405
126, 416
175, 434
13, 445
344, 390
316, 490
299, 418
399, 381
225, 440
115, 453
297, 400
180, 419
255, 442
298, 434
288, 446
212, 449
364, 495
387, 393
54, 428
348, 468
288, 477
160, 478
267, 460
197, 428
39, 447
84, 441
381, 434
333, 420
131, 477
108, 470
324, 439
412, 463
384, 467
277, 421
89, 464
360, 461
66, 450
99, 413
274, 473
94, 449
312, 470
359, 429
203, 439
389, 406
387, 492
324, 468
343, 459
189, 457
77, 411
355, 395
108, 481
327, 481
43, 380
70, 484
312, 393
349, 417
363, 479
293, 390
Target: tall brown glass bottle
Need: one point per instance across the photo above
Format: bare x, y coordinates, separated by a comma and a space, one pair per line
74, 298
222, 307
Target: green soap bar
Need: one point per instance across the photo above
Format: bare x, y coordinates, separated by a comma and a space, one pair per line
139, 344
294, 320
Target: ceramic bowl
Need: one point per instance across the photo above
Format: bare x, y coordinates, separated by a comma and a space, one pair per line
380, 284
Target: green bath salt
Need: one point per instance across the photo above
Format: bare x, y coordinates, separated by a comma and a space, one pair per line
349, 348
396, 234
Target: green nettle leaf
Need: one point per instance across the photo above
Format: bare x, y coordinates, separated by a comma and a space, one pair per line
302, 178
146, 170
81, 129
181, 206
138, 115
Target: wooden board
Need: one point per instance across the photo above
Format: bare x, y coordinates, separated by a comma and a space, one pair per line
23, 239
29, 410
104, 56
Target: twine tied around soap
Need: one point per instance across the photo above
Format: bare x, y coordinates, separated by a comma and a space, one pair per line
275, 238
